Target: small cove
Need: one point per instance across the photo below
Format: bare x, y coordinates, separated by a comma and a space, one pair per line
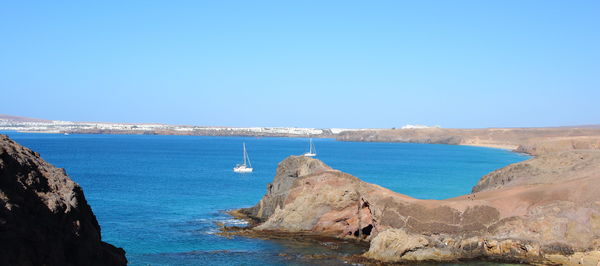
160, 197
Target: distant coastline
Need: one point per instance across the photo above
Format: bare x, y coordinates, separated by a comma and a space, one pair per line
33, 125
532, 141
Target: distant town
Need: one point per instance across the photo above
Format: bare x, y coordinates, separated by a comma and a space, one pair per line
33, 125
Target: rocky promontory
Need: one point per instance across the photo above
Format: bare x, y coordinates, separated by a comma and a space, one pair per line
538, 215
45, 218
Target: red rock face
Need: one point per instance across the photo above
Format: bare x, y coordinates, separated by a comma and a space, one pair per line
45, 218
538, 222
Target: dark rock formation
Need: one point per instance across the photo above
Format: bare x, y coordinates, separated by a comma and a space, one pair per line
549, 220
45, 218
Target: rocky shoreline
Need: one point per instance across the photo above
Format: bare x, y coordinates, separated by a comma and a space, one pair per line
45, 218
545, 210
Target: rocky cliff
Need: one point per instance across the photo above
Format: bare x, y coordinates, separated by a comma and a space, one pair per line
543, 220
45, 218
277, 191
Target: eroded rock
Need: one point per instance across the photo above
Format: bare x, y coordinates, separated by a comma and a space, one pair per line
392, 244
44, 216
542, 222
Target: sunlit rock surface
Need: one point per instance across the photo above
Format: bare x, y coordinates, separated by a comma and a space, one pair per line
551, 217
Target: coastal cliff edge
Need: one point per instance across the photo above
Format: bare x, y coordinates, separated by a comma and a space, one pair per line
44, 216
524, 212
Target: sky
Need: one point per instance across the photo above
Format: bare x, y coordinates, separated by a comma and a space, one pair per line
345, 64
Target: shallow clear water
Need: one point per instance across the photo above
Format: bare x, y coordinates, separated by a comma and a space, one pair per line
159, 197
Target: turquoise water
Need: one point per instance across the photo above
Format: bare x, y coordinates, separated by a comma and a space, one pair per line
159, 197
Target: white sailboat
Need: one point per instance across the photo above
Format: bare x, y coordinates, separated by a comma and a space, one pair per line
312, 151
245, 167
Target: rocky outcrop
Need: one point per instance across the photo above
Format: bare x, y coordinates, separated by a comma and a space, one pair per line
44, 216
538, 222
277, 191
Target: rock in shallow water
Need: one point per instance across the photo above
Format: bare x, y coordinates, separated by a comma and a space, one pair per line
45, 218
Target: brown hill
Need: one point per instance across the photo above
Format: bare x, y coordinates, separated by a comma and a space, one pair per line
533, 141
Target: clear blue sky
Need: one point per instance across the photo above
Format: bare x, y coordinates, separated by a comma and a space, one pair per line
303, 63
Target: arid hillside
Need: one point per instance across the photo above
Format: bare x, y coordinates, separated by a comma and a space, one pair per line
534, 141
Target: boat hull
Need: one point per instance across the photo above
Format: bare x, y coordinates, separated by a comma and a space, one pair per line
242, 170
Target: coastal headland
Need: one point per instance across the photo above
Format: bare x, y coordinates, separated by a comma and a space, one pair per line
545, 210
533, 141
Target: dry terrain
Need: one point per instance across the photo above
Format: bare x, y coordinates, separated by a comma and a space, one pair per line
544, 210
534, 141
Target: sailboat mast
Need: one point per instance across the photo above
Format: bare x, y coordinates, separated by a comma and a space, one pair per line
244, 153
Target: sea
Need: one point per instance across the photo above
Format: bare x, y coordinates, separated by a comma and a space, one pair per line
161, 198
